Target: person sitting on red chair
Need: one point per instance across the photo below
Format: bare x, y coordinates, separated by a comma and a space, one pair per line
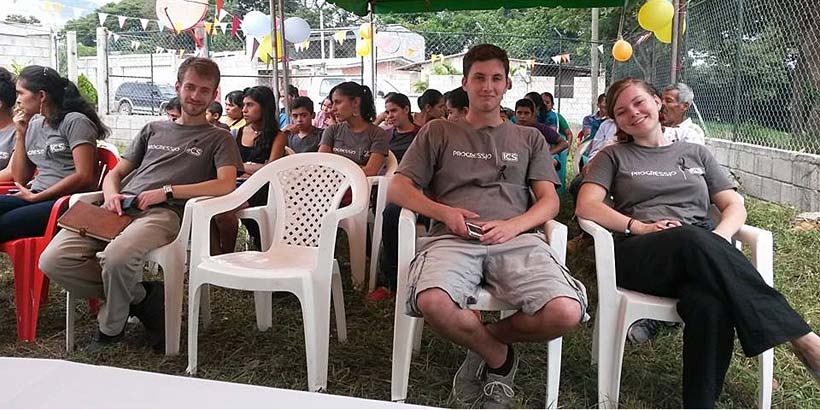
56, 133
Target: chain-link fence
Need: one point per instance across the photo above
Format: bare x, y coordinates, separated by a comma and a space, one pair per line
754, 68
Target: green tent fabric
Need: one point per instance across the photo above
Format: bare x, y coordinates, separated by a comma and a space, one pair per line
359, 7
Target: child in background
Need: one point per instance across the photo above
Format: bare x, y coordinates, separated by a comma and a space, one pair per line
173, 109
213, 113
302, 135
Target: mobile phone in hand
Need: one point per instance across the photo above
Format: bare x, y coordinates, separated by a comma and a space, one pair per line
475, 231
128, 202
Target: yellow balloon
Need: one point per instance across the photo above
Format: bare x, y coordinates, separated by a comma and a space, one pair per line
655, 14
664, 35
622, 50
363, 48
365, 31
266, 48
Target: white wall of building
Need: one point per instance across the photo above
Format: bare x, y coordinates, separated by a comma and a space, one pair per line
26, 44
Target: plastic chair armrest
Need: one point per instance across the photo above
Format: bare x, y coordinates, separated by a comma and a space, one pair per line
604, 258
761, 244
59, 207
87, 197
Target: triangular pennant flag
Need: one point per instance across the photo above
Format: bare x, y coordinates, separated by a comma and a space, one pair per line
531, 63
57, 8
102, 17
222, 13
220, 4
46, 5
305, 44
556, 59
601, 48
433, 58
255, 47
181, 52
177, 27
135, 44
116, 37
411, 52
224, 27
121, 20
565, 58
208, 27
144, 23
78, 12
159, 49
340, 36
234, 26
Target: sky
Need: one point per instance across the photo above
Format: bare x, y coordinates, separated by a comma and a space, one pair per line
43, 9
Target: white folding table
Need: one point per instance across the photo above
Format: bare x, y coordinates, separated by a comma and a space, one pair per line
46, 383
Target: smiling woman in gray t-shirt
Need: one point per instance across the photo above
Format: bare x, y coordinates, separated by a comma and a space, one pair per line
56, 132
666, 246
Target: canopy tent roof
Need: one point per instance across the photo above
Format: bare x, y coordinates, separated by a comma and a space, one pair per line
359, 7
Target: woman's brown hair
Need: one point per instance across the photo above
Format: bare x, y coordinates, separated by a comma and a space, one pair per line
612, 95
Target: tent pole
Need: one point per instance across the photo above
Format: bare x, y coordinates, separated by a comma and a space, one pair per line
676, 31
593, 60
373, 65
285, 68
275, 71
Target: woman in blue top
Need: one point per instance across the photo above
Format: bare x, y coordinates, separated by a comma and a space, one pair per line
56, 133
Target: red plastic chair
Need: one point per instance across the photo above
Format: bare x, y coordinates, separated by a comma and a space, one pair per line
31, 285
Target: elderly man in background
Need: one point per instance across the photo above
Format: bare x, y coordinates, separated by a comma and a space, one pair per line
677, 98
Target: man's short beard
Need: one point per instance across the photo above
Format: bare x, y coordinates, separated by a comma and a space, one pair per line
190, 113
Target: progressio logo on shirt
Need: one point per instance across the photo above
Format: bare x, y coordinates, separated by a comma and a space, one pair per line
473, 155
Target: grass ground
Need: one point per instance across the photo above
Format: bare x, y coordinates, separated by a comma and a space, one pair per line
231, 349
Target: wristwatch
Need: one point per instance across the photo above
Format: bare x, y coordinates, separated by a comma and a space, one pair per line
169, 192
628, 231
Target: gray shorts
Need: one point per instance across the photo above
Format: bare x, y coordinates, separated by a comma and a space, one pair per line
523, 271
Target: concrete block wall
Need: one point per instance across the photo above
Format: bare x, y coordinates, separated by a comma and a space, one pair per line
125, 127
775, 175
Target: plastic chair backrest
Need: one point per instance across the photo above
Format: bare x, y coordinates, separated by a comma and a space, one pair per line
305, 192
106, 161
391, 164
289, 151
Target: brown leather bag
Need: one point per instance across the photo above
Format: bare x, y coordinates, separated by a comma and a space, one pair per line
94, 222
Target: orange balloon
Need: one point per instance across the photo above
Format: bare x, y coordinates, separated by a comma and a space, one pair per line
622, 50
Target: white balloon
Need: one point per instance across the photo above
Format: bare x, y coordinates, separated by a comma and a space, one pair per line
297, 30
256, 24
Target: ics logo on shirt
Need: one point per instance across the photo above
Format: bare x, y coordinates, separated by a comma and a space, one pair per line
59, 147
696, 171
195, 151
509, 156
4, 155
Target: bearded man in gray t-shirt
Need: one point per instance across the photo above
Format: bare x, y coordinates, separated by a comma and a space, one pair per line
167, 163
483, 170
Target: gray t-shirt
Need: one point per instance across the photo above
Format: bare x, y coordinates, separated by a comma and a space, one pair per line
50, 150
355, 146
167, 153
487, 170
308, 143
653, 183
6, 145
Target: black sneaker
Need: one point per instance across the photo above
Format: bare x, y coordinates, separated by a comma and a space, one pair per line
151, 312
102, 341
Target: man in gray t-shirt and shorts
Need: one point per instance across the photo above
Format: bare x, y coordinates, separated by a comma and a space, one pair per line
167, 163
483, 170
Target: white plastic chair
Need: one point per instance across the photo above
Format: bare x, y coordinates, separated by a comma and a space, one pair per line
407, 329
618, 308
172, 258
579, 156
305, 193
382, 182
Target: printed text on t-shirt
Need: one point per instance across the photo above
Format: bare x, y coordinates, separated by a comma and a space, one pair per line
473, 155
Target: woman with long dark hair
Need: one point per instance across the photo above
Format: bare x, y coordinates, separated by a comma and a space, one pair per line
668, 246
541, 111
431, 107
8, 94
260, 141
402, 131
233, 109
56, 133
355, 136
